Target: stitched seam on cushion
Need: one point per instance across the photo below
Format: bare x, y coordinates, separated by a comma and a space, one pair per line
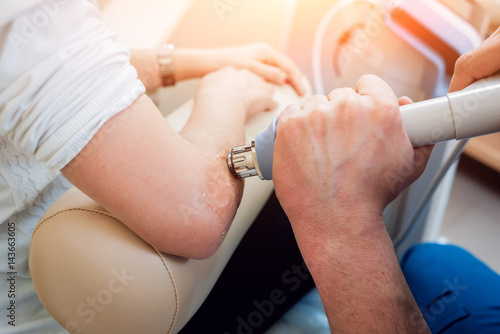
175, 291
158, 252
68, 210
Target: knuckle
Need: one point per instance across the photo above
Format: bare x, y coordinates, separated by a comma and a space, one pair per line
386, 112
316, 97
385, 104
349, 102
321, 109
286, 117
369, 77
341, 92
288, 111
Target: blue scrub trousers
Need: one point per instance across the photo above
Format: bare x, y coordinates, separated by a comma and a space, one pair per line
455, 291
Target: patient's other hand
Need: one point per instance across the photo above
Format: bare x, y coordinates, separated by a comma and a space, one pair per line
263, 60
248, 88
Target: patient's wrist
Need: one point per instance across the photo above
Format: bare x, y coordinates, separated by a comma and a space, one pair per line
216, 123
229, 104
166, 65
144, 62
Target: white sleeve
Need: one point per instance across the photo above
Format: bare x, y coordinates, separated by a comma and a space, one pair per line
62, 76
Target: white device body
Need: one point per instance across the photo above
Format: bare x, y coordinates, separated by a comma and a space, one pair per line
472, 112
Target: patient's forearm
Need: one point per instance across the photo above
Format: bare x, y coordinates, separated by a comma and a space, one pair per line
188, 64
359, 278
195, 62
173, 192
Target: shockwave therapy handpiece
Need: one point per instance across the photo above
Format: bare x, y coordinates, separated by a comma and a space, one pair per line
472, 112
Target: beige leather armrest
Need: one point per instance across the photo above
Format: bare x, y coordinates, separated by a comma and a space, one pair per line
94, 275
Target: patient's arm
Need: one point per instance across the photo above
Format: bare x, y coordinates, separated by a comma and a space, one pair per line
191, 63
174, 191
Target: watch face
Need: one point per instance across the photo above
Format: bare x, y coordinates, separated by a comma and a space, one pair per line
165, 64
165, 50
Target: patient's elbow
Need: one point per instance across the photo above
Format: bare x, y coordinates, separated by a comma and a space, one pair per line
206, 250
199, 241
193, 248
193, 228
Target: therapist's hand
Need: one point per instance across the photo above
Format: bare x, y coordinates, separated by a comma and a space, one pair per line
478, 63
337, 164
344, 154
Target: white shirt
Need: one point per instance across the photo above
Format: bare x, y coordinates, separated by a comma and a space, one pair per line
62, 76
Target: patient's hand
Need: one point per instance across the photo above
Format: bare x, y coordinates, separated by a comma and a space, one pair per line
248, 88
259, 58
478, 63
263, 60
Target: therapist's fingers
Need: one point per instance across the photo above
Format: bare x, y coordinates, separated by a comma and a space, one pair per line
372, 85
314, 102
340, 94
421, 154
404, 100
378, 99
477, 64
